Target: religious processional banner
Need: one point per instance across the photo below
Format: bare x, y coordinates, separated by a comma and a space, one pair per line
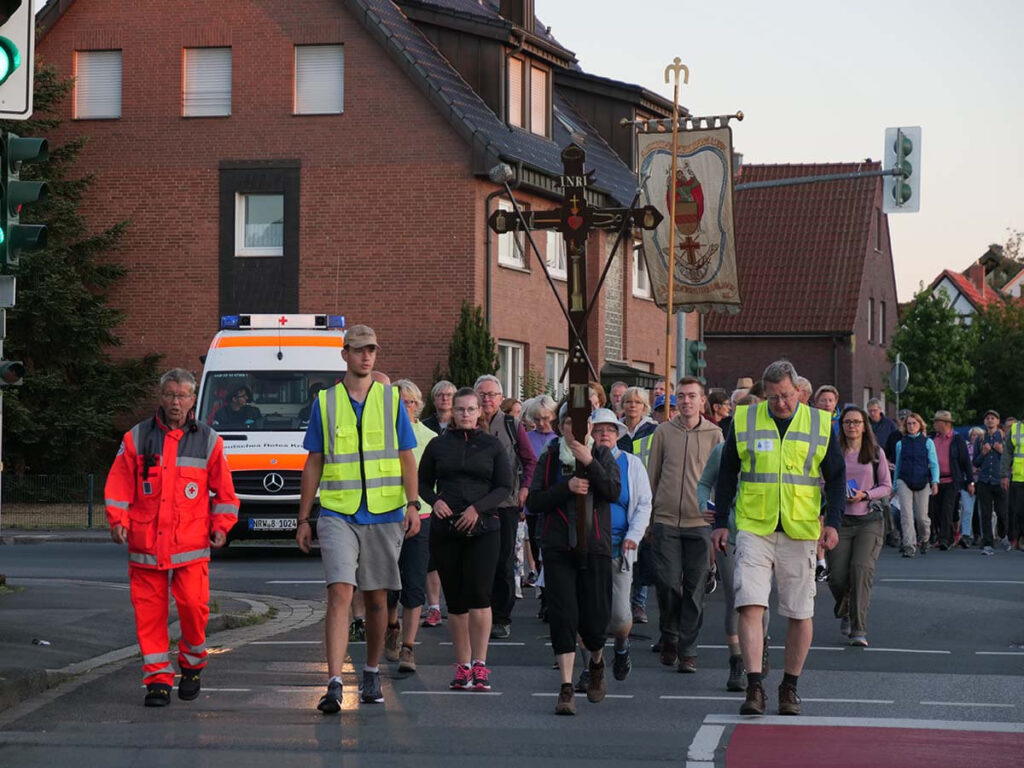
703, 235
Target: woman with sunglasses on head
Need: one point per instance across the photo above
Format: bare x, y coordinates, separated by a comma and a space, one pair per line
464, 475
852, 562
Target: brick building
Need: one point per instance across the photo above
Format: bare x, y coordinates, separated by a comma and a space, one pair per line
332, 156
817, 282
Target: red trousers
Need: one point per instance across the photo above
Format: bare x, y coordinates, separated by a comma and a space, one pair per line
190, 586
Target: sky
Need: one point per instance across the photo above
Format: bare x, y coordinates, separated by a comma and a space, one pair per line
821, 81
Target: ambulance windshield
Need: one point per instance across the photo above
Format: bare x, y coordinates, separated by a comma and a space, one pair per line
262, 401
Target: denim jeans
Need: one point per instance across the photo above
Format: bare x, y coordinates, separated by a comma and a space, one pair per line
966, 513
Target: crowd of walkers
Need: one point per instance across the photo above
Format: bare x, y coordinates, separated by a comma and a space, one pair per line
772, 487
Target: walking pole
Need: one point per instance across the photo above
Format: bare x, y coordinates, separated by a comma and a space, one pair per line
674, 68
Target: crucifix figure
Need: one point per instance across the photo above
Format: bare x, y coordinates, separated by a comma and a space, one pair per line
575, 219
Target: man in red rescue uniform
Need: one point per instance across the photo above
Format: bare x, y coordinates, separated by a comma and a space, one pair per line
169, 497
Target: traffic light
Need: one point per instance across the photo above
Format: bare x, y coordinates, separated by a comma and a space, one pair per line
15, 150
902, 192
12, 372
695, 361
17, 49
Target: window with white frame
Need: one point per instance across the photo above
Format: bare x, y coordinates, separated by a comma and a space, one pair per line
207, 82
867, 396
510, 368
319, 79
554, 366
538, 101
97, 85
641, 280
881, 322
516, 102
511, 245
871, 321
556, 254
259, 225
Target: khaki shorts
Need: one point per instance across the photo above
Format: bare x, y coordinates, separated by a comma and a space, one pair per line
363, 555
792, 562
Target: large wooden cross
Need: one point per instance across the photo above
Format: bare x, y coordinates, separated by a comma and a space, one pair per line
575, 219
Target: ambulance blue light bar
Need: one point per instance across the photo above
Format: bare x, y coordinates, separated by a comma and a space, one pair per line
281, 322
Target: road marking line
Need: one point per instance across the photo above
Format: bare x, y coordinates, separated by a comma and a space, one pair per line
226, 690
490, 644
952, 581
578, 693
287, 642
904, 650
701, 698
702, 748
812, 648
999, 653
867, 722
850, 701
964, 704
468, 693
295, 581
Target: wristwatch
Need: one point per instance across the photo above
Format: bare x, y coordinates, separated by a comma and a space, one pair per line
415, 503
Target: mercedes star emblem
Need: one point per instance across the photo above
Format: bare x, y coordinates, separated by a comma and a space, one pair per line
273, 482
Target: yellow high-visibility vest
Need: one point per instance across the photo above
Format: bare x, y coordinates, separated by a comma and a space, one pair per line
642, 448
361, 454
1017, 435
780, 476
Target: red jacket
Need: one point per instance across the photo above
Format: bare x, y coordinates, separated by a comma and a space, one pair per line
160, 487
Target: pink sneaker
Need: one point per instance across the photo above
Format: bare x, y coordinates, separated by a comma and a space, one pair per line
463, 678
481, 677
432, 618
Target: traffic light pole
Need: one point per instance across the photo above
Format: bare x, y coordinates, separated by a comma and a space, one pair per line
815, 179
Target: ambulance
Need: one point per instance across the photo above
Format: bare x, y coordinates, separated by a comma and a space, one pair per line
260, 381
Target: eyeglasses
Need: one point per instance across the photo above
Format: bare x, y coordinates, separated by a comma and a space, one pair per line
489, 395
852, 422
465, 411
176, 396
787, 398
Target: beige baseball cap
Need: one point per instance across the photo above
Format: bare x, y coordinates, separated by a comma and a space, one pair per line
359, 336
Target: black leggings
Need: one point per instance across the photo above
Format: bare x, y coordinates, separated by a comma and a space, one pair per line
466, 566
578, 600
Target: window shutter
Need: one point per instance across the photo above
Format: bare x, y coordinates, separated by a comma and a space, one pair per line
319, 79
538, 101
97, 84
515, 92
207, 82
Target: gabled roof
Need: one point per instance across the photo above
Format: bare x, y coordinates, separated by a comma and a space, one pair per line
968, 289
800, 251
490, 138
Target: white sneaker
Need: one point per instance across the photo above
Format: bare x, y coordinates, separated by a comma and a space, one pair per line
988, 551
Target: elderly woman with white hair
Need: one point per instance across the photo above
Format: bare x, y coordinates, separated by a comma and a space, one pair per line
636, 417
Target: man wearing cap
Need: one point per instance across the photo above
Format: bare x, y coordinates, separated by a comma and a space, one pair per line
680, 537
988, 458
360, 443
955, 474
1012, 480
659, 408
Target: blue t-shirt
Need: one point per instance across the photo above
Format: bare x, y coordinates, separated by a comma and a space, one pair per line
314, 443
620, 507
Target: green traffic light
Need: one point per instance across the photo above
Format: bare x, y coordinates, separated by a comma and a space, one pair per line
903, 146
10, 59
901, 192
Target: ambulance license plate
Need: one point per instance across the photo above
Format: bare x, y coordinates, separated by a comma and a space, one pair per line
272, 524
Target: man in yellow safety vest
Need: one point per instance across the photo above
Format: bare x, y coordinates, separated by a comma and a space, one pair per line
1012, 480
773, 464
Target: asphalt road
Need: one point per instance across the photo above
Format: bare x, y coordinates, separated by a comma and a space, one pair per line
947, 635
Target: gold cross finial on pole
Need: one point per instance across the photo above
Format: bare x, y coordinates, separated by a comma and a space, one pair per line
676, 67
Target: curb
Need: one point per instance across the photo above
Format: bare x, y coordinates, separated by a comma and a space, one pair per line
14, 692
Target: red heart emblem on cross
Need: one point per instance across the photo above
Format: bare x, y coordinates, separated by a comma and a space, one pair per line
575, 222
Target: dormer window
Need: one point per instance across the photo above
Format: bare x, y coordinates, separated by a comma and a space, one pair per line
529, 96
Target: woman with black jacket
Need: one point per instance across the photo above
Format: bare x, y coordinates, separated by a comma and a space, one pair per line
578, 588
464, 474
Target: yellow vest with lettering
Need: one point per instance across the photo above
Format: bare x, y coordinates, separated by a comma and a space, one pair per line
1017, 435
358, 453
780, 476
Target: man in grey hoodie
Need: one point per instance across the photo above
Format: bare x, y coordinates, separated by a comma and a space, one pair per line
680, 536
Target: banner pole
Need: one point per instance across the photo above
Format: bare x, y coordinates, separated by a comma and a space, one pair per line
674, 68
